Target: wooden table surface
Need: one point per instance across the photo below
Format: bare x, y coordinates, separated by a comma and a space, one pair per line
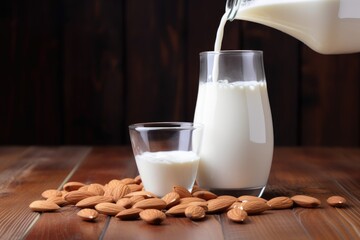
25, 172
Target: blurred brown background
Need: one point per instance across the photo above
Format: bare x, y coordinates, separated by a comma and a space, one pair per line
81, 71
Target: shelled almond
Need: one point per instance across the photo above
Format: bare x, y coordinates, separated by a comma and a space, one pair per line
126, 199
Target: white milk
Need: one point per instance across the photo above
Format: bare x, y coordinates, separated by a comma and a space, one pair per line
160, 171
326, 26
238, 128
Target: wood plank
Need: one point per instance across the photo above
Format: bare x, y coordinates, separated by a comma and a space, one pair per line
171, 228
29, 175
30, 101
331, 101
281, 62
155, 61
94, 72
314, 172
100, 166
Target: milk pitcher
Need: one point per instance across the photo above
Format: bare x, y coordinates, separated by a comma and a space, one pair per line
326, 26
233, 107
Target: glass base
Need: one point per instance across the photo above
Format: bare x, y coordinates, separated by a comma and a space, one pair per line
238, 192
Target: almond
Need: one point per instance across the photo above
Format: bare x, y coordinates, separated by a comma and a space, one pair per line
110, 209
137, 179
43, 206
145, 194
83, 188
76, 196
58, 200
151, 203
135, 187
218, 205
129, 214
336, 201
237, 215
188, 200
204, 205
247, 198
135, 199
124, 202
206, 195
51, 193
178, 210
183, 192
92, 201
197, 188
306, 201
96, 188
72, 186
127, 181
235, 199
254, 207
119, 191
195, 212
88, 214
235, 205
113, 183
171, 199
280, 203
152, 216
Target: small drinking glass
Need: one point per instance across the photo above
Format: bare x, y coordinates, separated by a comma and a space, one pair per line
166, 154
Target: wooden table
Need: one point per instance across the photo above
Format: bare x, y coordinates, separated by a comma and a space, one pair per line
321, 172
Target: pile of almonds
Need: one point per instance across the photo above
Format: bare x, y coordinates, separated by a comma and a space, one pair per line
127, 200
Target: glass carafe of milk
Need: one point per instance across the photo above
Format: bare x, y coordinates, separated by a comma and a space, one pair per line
233, 106
326, 26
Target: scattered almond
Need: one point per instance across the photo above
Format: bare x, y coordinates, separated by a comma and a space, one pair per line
171, 199
151, 203
129, 214
306, 201
58, 200
237, 215
187, 200
72, 186
228, 197
119, 191
128, 181
88, 214
76, 196
124, 202
254, 207
152, 216
43, 206
51, 193
336, 201
204, 205
135, 187
280, 203
195, 212
218, 205
197, 188
248, 198
135, 199
137, 179
177, 210
145, 194
96, 188
183, 192
92, 201
107, 208
206, 195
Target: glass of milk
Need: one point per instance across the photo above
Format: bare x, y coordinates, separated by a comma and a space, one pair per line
233, 107
166, 154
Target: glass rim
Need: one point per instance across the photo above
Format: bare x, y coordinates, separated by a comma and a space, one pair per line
234, 52
148, 126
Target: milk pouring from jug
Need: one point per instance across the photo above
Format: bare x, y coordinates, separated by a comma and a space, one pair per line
326, 26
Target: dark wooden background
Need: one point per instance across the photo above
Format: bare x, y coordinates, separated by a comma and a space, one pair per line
79, 72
